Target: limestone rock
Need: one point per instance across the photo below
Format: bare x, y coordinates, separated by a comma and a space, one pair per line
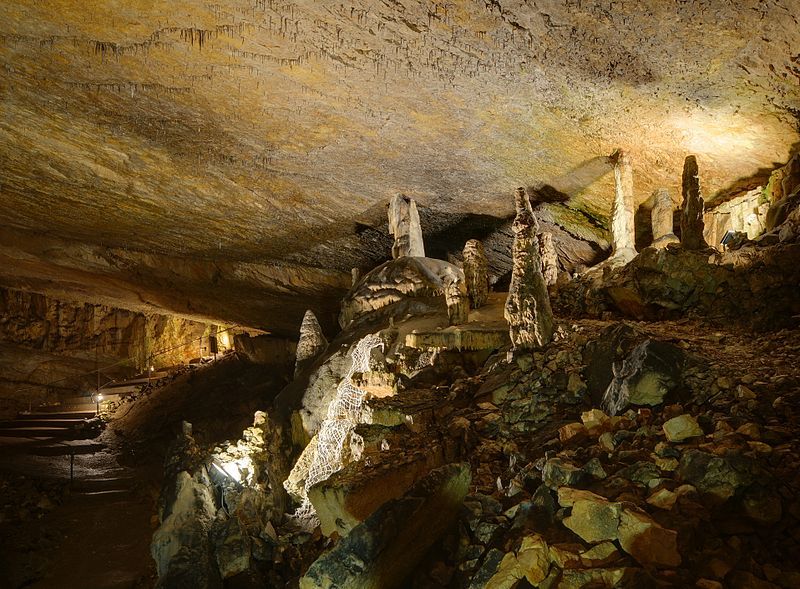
531, 562
476, 273
594, 519
692, 209
382, 551
398, 287
180, 545
661, 217
721, 476
527, 308
622, 229
312, 341
404, 225
231, 546
682, 428
558, 473
457, 301
547, 252
651, 371
646, 541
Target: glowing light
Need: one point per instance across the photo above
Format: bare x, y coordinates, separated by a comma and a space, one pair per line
716, 134
240, 470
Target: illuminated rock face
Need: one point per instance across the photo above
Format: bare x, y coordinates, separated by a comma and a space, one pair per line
527, 310
692, 225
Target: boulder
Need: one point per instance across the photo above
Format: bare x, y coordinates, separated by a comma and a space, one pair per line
647, 376
231, 546
681, 428
383, 550
180, 545
720, 476
594, 519
646, 541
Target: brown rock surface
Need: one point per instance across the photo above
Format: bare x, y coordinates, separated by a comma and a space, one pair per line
246, 132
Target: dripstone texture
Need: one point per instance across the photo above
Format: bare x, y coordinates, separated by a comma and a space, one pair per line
311, 343
527, 308
692, 225
476, 273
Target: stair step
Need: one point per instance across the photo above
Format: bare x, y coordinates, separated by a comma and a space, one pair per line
107, 494
55, 422
59, 415
98, 485
66, 449
37, 432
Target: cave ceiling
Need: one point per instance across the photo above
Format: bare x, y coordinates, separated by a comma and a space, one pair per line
225, 159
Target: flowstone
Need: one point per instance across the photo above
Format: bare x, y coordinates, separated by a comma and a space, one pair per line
527, 309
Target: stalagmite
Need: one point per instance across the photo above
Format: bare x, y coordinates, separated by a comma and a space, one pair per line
476, 273
457, 300
527, 310
547, 252
692, 213
405, 227
661, 219
311, 343
622, 228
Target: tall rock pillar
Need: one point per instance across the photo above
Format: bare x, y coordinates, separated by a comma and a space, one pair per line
692, 212
661, 219
312, 342
622, 229
476, 273
405, 227
527, 309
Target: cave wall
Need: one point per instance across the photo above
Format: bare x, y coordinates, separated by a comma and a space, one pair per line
49, 348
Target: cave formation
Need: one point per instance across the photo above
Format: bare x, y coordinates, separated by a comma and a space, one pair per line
474, 294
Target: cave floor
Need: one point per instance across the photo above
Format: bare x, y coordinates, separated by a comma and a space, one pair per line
94, 534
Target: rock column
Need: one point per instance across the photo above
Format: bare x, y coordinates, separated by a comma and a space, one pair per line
311, 343
405, 227
622, 228
692, 214
547, 252
457, 300
661, 219
527, 309
476, 273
